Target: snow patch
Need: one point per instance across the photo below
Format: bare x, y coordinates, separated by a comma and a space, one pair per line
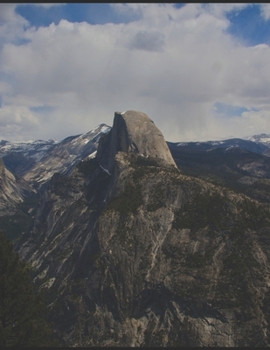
92, 155
100, 129
231, 147
105, 129
48, 284
260, 138
42, 274
106, 171
215, 143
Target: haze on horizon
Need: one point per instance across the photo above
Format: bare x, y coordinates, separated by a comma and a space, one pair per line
199, 71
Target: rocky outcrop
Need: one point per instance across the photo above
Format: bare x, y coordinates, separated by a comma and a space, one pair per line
133, 132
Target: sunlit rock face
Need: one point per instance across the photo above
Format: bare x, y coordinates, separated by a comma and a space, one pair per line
133, 132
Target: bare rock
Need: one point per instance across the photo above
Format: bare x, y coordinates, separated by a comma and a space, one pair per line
133, 132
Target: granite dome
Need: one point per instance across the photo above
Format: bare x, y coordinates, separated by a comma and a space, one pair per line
133, 132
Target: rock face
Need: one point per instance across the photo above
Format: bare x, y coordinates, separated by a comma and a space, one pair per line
148, 256
16, 203
10, 194
133, 132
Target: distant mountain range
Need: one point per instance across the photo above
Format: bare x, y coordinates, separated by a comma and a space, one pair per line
37, 161
38, 149
260, 138
257, 143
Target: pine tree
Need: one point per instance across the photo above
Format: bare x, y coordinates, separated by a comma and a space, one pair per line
22, 311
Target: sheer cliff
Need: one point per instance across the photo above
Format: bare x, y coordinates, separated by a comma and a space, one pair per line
134, 253
133, 132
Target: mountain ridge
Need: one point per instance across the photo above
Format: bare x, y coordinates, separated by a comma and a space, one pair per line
7, 147
149, 255
41, 162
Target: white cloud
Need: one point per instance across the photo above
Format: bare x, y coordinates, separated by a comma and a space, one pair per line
11, 24
265, 11
173, 64
47, 5
17, 121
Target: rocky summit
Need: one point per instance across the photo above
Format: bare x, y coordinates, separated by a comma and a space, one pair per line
132, 251
133, 132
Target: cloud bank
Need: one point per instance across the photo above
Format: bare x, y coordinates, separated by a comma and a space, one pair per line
175, 64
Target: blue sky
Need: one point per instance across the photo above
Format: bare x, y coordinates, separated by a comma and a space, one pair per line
200, 71
95, 13
249, 27
246, 25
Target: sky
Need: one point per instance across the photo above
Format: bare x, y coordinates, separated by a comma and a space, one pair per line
199, 71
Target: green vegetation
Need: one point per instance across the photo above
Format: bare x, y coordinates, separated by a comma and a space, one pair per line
221, 169
124, 234
22, 311
154, 338
266, 308
199, 260
254, 215
235, 222
141, 171
233, 289
143, 166
15, 225
142, 161
157, 196
128, 201
87, 167
131, 198
203, 210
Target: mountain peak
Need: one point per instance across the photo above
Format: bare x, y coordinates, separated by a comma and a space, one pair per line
133, 132
260, 138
